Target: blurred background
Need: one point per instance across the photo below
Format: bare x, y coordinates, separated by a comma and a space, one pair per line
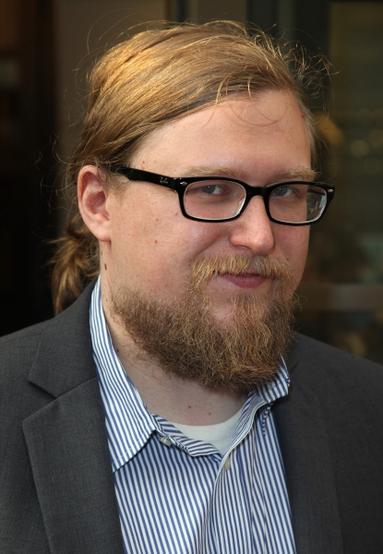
46, 47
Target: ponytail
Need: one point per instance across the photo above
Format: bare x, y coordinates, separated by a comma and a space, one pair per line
75, 263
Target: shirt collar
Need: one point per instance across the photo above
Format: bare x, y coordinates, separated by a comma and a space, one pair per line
129, 424
264, 395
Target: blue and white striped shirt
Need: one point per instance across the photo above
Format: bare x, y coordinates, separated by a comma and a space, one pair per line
178, 495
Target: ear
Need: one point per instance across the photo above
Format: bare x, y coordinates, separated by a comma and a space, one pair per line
92, 194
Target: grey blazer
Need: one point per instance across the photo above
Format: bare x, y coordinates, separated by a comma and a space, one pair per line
56, 485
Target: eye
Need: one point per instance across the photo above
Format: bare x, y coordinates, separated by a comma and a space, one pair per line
212, 189
290, 191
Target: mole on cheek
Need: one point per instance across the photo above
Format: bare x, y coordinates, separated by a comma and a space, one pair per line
155, 241
105, 267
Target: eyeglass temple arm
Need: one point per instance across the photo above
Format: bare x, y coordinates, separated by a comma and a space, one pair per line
142, 175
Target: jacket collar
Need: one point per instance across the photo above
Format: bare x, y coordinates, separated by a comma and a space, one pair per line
64, 357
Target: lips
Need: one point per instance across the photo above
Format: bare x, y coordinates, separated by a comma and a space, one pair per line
244, 280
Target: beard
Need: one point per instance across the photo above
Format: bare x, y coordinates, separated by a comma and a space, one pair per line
236, 354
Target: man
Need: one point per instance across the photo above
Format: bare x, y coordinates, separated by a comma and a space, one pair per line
170, 409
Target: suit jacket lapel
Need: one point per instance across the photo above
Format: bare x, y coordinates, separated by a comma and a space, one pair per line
309, 471
67, 442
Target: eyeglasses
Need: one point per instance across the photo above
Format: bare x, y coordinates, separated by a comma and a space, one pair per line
215, 199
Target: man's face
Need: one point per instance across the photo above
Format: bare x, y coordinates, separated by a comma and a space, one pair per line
210, 298
153, 246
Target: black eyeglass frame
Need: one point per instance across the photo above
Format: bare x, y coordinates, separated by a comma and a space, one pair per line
179, 185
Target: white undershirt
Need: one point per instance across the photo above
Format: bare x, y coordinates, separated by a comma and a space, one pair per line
220, 435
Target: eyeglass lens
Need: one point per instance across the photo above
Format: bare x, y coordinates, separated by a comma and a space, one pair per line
288, 203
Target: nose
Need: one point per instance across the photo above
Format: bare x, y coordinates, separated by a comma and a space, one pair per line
253, 229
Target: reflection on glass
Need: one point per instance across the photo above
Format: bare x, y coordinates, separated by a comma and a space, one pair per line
347, 248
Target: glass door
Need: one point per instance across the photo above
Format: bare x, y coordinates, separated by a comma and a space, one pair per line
343, 287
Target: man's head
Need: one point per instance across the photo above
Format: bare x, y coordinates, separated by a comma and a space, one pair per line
209, 300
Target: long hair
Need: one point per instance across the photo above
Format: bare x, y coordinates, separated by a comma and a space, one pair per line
156, 76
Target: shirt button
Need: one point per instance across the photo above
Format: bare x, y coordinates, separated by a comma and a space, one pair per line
227, 464
165, 440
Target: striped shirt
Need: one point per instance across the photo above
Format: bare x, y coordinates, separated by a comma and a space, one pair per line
178, 495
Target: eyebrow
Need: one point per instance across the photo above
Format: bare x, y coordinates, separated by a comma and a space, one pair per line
304, 173
298, 173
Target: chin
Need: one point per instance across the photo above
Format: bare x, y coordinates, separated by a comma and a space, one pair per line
227, 314
224, 317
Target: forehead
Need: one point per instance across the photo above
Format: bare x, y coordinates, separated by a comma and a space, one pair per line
238, 135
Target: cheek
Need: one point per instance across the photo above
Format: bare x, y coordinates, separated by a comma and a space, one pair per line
177, 243
293, 247
156, 254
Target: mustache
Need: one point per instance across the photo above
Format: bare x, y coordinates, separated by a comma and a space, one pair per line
271, 268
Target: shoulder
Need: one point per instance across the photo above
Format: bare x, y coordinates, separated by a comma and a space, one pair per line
334, 372
19, 350
306, 349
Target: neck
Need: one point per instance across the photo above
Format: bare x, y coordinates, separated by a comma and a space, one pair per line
178, 400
